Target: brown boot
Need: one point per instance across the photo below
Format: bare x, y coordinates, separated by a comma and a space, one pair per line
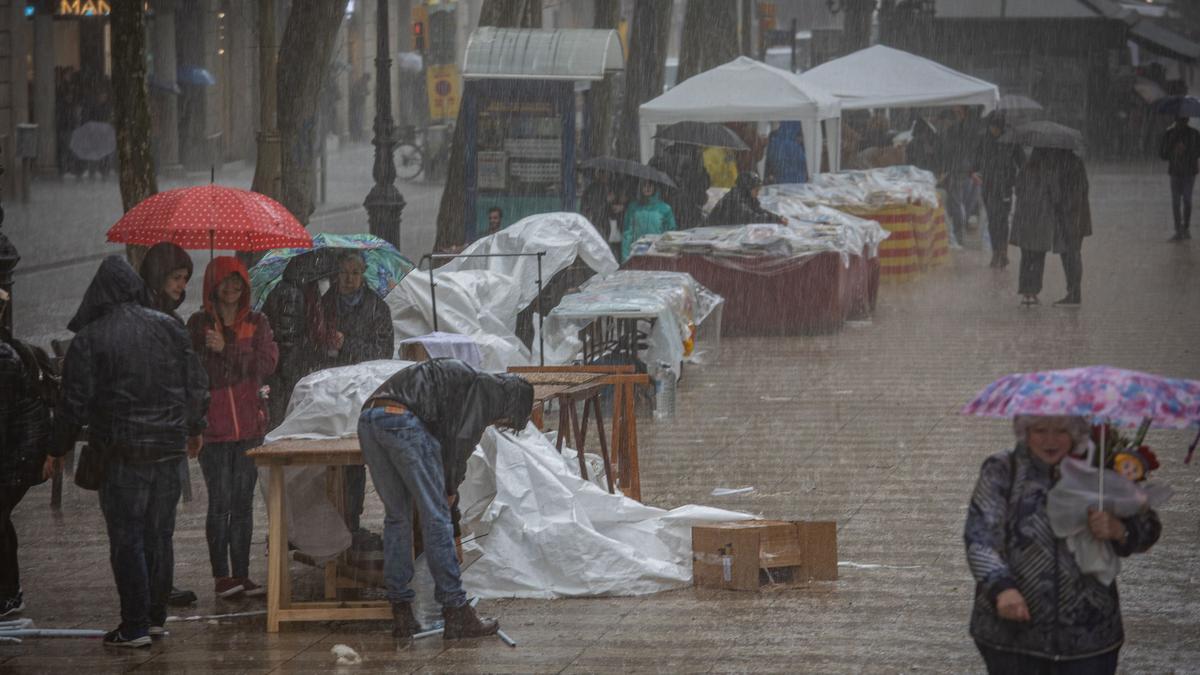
404, 624
464, 622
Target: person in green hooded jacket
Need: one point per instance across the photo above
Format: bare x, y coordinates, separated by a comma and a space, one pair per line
647, 215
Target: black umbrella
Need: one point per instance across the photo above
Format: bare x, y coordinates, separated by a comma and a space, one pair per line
1045, 134
702, 133
1177, 106
627, 167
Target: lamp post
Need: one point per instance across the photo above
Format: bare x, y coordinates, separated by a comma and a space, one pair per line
384, 202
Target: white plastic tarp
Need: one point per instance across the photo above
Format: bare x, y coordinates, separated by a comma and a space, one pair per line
481, 297
883, 77
745, 90
532, 526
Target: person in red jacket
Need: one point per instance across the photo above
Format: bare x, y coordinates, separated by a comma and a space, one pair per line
238, 352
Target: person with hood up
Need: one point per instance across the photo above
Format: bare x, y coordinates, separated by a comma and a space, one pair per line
167, 269
293, 309
1035, 610
131, 377
646, 215
1180, 148
417, 431
998, 164
786, 159
24, 437
1052, 214
359, 328
238, 352
740, 205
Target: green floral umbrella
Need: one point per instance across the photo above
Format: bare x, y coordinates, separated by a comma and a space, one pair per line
386, 266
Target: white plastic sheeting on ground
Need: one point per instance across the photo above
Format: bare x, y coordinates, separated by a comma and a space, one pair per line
534, 528
481, 297
544, 532
674, 300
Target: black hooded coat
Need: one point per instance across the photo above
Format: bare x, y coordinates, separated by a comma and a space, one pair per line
130, 375
24, 417
739, 206
456, 403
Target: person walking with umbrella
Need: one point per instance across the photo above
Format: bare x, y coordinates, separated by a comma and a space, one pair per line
646, 215
1035, 611
1052, 214
238, 352
999, 164
1180, 149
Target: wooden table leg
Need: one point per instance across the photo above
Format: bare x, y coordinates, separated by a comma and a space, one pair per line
277, 567
631, 445
618, 437
573, 423
595, 403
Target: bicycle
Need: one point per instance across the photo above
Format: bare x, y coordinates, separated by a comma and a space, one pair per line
410, 153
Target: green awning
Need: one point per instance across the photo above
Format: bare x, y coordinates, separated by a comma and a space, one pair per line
537, 54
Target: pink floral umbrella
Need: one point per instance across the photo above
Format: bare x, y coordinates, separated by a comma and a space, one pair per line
1100, 393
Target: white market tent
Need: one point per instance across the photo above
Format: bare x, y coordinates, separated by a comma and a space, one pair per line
882, 77
745, 90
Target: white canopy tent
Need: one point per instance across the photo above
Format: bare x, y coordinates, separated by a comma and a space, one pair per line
882, 77
745, 90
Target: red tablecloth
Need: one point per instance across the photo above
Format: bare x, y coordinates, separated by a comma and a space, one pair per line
815, 296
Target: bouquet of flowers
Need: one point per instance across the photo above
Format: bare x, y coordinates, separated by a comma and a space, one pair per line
1126, 455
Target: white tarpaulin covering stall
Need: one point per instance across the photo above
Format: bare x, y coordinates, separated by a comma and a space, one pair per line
532, 526
883, 77
745, 90
481, 297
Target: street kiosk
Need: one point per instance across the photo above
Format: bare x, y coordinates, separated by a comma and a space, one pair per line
521, 117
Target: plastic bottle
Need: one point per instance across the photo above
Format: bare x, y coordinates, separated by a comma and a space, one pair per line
664, 392
726, 563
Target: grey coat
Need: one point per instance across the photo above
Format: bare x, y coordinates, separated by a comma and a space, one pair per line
1010, 545
1052, 211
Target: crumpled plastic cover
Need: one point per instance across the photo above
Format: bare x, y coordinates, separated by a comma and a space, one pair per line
1067, 506
532, 526
544, 532
481, 297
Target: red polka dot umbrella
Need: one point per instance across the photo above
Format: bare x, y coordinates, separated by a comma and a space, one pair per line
211, 216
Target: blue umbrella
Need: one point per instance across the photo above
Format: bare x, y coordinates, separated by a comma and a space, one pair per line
195, 75
386, 266
1177, 106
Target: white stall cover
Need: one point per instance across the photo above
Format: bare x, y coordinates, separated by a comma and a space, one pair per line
481, 297
745, 90
883, 77
532, 526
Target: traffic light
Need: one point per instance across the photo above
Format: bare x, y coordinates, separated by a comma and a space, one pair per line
418, 29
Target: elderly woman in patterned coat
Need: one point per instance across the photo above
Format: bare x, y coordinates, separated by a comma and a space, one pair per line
1035, 611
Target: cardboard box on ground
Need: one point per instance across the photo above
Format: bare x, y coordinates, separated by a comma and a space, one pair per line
754, 555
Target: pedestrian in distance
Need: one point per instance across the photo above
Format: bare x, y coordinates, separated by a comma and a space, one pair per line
1052, 214
1180, 149
360, 326
417, 431
495, 220
740, 205
646, 215
684, 164
1035, 610
24, 437
603, 204
786, 159
132, 378
238, 352
998, 164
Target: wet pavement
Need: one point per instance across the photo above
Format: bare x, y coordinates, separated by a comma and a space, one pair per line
858, 427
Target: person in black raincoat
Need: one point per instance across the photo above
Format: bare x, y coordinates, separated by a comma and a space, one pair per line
132, 378
998, 163
24, 436
293, 310
1052, 214
684, 163
1180, 149
417, 431
740, 205
358, 328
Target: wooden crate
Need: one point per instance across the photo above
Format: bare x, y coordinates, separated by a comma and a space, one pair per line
763, 554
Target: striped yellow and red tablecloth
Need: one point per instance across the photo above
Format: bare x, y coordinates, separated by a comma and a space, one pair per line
917, 243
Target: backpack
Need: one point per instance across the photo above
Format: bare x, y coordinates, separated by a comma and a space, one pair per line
42, 374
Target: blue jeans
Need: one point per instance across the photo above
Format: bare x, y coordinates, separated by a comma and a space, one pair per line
406, 467
229, 476
138, 501
1181, 201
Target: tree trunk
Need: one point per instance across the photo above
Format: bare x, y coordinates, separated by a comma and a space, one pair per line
644, 70
131, 110
451, 220
710, 36
304, 54
608, 15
